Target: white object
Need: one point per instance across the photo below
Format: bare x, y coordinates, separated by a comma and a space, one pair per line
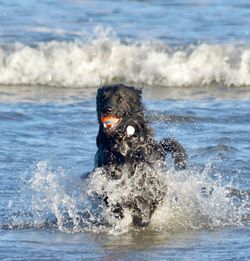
130, 130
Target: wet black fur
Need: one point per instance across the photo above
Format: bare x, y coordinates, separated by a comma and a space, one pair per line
116, 148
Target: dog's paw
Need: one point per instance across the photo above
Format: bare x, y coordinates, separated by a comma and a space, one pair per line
117, 211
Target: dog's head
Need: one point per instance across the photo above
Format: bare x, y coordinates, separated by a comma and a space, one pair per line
117, 104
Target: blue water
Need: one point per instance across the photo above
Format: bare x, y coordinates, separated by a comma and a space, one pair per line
193, 59
175, 22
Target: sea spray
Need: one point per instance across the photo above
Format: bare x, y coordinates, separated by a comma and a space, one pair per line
52, 201
193, 200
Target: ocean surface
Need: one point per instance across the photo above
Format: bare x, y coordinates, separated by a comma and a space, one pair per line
192, 59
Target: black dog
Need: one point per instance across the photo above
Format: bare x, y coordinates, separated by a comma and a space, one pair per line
126, 140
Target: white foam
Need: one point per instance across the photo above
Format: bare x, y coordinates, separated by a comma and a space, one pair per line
82, 63
184, 206
194, 201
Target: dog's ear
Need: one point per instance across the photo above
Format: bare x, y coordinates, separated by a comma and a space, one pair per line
100, 88
98, 94
139, 91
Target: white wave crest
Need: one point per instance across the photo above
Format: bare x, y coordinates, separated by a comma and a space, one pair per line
77, 64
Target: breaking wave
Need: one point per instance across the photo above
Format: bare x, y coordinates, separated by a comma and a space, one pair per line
83, 63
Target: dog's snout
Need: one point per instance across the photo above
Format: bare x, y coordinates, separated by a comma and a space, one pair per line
107, 109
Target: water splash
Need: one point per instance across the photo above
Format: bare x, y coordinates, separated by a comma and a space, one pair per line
193, 200
61, 201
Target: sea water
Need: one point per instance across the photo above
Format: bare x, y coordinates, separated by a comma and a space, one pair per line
192, 59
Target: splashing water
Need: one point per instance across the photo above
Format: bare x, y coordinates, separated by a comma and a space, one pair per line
192, 201
61, 202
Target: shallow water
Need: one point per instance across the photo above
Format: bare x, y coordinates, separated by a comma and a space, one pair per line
215, 245
49, 142
192, 57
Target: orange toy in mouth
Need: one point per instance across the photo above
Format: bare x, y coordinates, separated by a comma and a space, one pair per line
110, 122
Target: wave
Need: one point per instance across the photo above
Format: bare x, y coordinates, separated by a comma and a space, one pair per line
84, 63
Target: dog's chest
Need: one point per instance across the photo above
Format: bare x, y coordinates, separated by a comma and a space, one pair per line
137, 149
127, 145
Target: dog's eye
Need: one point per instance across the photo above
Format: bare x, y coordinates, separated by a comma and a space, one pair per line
120, 99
